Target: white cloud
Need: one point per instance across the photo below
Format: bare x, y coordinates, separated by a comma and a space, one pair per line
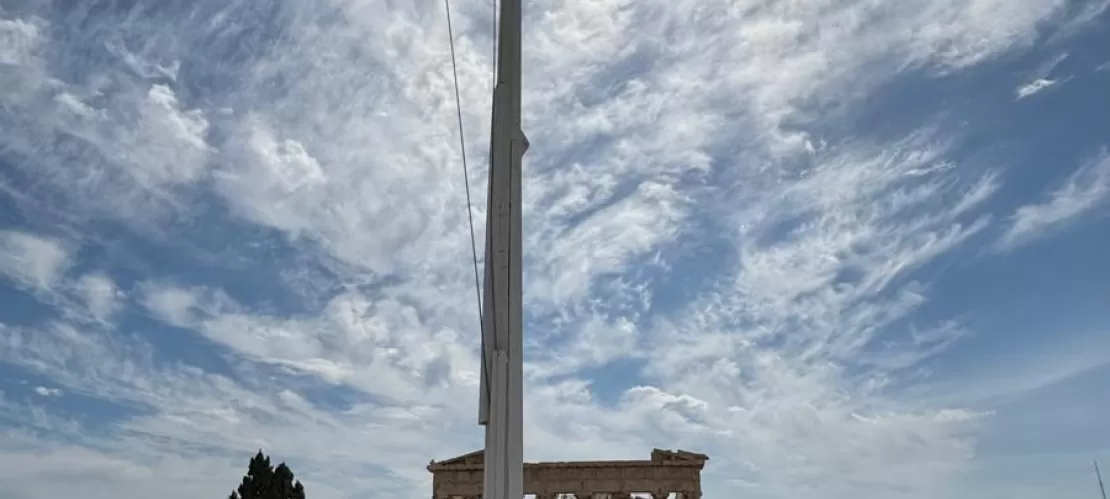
1081, 193
33, 261
168, 143
183, 306
48, 392
593, 342
605, 241
50, 470
197, 412
19, 39
140, 65
645, 118
770, 351
1039, 79
100, 295
136, 144
1020, 368
383, 347
1033, 87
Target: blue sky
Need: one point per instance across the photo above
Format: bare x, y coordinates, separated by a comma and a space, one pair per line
846, 248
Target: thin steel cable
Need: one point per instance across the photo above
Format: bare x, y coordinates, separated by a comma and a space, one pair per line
466, 170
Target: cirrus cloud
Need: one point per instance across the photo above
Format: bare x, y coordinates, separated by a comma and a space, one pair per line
244, 226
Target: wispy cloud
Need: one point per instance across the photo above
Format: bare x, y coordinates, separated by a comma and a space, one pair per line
1080, 194
803, 310
48, 392
21, 39
1041, 78
100, 295
32, 261
1033, 87
315, 146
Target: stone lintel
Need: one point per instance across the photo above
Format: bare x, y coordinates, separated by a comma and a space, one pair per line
659, 457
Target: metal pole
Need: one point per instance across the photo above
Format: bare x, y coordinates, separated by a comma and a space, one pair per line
501, 391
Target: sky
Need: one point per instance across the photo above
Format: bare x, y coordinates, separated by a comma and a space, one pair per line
846, 248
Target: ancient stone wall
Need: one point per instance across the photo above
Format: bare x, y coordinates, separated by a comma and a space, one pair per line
666, 472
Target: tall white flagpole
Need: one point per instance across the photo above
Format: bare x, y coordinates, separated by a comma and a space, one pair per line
501, 392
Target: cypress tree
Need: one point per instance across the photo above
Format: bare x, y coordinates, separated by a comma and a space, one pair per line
263, 481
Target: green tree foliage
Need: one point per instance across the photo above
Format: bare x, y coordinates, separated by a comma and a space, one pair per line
263, 481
